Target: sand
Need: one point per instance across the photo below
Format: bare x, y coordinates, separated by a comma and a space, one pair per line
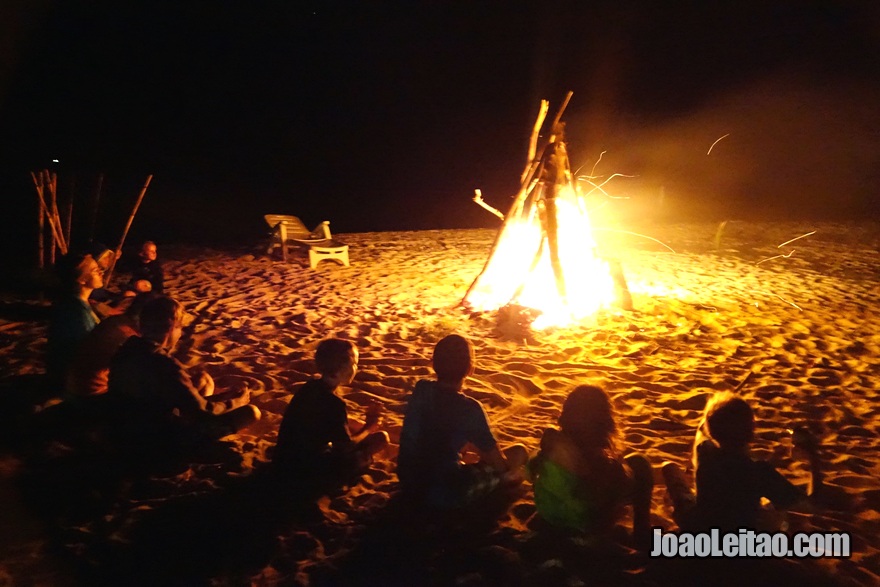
805, 326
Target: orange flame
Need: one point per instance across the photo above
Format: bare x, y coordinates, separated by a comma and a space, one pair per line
520, 271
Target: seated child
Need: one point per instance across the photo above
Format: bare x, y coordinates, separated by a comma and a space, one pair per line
580, 480
146, 274
90, 369
160, 406
439, 421
729, 483
315, 442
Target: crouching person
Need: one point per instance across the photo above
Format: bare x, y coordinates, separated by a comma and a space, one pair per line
162, 411
317, 449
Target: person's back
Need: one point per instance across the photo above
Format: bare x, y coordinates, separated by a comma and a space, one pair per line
90, 370
155, 394
314, 422
580, 481
730, 484
439, 422
315, 445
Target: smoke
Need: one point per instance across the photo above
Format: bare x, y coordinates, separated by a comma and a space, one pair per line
795, 148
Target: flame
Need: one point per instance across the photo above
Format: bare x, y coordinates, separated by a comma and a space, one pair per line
513, 276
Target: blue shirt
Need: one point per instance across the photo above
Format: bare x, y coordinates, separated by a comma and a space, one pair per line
437, 425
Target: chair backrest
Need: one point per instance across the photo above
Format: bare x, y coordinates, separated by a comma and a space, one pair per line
293, 226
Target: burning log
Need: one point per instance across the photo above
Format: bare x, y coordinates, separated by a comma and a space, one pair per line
544, 257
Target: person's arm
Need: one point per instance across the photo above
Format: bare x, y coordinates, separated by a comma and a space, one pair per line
804, 440
370, 425
158, 277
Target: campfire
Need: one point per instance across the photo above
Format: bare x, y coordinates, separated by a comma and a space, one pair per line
544, 258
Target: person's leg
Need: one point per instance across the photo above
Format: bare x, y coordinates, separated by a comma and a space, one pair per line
642, 477
369, 446
231, 421
517, 456
680, 492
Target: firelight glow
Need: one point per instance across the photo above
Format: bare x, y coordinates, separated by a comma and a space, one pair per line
511, 276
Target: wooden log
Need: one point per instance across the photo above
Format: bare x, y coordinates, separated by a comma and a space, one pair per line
533, 140
134, 210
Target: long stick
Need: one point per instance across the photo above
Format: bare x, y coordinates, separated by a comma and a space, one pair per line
533, 140
41, 221
68, 221
55, 229
127, 226
559, 113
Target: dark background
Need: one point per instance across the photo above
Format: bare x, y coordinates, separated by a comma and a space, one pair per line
386, 115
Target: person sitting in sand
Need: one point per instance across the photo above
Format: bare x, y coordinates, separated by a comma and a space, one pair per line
90, 369
162, 408
72, 317
316, 444
729, 482
580, 480
146, 274
439, 421
104, 302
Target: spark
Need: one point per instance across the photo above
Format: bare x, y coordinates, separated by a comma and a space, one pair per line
794, 239
635, 234
716, 142
790, 303
600, 186
593, 170
786, 256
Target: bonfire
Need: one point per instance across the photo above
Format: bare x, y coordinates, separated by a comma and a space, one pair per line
545, 259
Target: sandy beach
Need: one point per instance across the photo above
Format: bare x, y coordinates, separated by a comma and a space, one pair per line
798, 324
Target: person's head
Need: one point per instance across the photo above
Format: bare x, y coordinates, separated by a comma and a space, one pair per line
148, 251
134, 309
101, 254
79, 273
729, 420
337, 361
453, 359
161, 321
588, 418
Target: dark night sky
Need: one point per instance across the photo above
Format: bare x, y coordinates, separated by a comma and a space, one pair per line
386, 115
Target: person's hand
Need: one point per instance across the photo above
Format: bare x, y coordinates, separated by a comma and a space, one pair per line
204, 382
372, 415
143, 286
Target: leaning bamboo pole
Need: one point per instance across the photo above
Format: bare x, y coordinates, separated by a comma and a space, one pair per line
41, 251
55, 227
125, 232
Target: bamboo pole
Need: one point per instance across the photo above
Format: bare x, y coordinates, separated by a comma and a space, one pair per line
127, 227
55, 231
41, 223
68, 220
